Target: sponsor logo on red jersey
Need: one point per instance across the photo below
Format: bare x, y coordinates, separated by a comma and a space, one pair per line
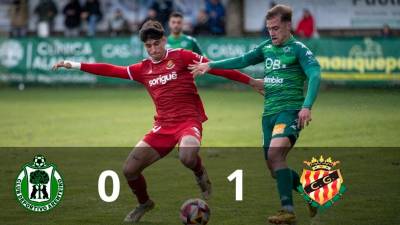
163, 79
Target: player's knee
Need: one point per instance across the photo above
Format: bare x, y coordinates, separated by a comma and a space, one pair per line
274, 161
130, 171
273, 157
189, 160
127, 172
271, 168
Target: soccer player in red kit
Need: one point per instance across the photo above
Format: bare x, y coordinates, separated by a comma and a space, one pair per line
180, 111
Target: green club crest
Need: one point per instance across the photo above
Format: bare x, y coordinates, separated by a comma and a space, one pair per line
39, 187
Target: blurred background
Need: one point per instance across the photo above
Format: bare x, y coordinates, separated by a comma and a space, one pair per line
355, 40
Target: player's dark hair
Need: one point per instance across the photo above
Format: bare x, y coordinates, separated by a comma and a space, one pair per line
151, 29
176, 14
283, 11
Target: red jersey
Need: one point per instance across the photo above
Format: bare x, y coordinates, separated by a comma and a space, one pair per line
169, 83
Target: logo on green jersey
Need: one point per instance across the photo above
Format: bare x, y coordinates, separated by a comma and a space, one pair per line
39, 187
287, 49
273, 80
184, 44
273, 64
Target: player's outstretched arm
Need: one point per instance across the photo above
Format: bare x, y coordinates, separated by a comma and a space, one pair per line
67, 65
190, 58
199, 68
256, 84
232, 63
250, 58
102, 69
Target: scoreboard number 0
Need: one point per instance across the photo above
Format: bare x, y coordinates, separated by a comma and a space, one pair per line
101, 184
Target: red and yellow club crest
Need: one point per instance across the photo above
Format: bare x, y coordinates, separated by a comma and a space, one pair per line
321, 186
170, 64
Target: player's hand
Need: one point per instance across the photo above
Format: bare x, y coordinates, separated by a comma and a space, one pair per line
61, 64
304, 118
199, 68
258, 85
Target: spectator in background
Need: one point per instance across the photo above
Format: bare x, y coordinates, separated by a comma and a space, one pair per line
19, 18
386, 31
117, 23
202, 26
216, 14
72, 14
264, 32
151, 15
46, 10
306, 26
163, 8
92, 14
189, 10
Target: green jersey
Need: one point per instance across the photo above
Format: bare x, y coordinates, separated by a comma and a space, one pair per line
286, 68
184, 41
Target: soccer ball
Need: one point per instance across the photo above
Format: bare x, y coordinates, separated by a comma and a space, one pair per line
195, 211
39, 161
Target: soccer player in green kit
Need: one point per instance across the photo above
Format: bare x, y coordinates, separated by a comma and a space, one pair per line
177, 39
288, 63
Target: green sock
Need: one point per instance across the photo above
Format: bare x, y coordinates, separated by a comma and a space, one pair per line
285, 183
296, 180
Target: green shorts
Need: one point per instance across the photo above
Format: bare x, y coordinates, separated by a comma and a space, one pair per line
282, 124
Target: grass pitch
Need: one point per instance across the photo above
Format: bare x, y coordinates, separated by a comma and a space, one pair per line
118, 118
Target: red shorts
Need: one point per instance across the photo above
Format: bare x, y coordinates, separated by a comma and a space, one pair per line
164, 138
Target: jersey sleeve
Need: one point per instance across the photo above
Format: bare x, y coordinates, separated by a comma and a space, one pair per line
229, 74
314, 80
252, 57
109, 70
306, 57
312, 70
196, 47
190, 57
134, 72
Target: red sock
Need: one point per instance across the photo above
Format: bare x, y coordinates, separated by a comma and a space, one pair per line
139, 188
198, 169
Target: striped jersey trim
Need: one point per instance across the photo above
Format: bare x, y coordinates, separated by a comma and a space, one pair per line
129, 73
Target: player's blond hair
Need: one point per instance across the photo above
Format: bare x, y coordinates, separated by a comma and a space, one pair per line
283, 11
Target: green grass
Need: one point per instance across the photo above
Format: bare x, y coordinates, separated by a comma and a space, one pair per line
120, 117
78, 117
